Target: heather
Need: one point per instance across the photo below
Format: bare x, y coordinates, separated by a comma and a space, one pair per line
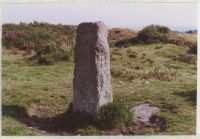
46, 42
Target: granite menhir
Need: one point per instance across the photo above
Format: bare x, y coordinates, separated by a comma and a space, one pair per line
91, 85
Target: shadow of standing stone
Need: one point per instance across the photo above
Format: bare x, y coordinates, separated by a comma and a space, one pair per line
91, 84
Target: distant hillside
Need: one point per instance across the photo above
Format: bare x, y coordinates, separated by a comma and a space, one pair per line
46, 42
159, 34
49, 43
191, 31
16, 35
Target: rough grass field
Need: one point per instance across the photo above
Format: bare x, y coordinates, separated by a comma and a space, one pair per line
33, 93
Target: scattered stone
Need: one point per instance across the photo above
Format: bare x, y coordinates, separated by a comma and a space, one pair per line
144, 111
91, 84
146, 82
31, 128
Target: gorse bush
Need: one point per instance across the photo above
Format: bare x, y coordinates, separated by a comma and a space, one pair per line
157, 34
113, 115
154, 34
50, 52
119, 34
193, 49
50, 43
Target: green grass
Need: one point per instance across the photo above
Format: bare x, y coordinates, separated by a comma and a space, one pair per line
31, 90
113, 115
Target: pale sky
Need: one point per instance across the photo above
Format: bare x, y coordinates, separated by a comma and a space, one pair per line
177, 16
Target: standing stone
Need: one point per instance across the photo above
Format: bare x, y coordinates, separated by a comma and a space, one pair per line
92, 85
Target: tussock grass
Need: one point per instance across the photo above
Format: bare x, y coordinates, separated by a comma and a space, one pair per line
113, 115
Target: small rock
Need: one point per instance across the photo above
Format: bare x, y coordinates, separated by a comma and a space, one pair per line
144, 111
42, 131
31, 128
146, 82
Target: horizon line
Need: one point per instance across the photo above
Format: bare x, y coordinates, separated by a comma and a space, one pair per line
136, 28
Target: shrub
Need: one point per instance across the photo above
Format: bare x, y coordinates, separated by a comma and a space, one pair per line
193, 49
113, 115
119, 36
49, 42
154, 34
50, 53
13, 38
158, 34
150, 34
125, 42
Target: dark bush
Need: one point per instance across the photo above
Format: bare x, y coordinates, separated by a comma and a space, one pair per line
154, 34
50, 53
125, 42
193, 49
150, 34
113, 115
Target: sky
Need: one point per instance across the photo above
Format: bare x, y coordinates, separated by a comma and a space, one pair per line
177, 16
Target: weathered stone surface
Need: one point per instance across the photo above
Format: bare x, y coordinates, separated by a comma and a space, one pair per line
144, 111
92, 85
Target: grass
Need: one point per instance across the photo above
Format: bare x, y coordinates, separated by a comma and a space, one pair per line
45, 92
114, 115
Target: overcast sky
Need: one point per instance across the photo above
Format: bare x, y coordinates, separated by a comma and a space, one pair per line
178, 16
